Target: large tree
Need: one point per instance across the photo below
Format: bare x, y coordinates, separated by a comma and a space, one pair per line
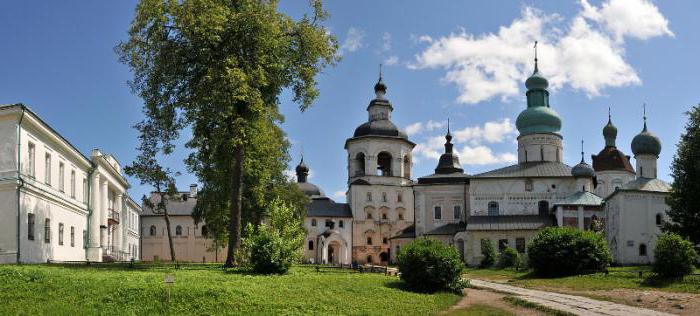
218, 67
685, 189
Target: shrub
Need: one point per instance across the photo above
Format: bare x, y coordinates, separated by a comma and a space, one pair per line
509, 258
674, 256
557, 251
427, 265
488, 254
273, 248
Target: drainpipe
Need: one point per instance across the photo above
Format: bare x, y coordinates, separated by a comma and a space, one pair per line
86, 242
19, 179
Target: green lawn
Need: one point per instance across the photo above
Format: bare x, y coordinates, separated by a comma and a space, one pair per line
42, 289
619, 277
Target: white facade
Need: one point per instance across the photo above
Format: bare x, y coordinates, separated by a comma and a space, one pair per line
329, 240
49, 199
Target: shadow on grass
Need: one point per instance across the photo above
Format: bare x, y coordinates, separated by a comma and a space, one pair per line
398, 285
657, 281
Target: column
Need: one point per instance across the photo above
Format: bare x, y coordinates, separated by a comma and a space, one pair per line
580, 217
560, 216
104, 197
117, 240
94, 250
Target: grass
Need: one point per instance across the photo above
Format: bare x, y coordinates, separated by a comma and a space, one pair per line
618, 278
479, 310
205, 290
527, 304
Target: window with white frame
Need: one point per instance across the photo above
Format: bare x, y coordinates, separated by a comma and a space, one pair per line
60, 234
61, 177
85, 190
31, 153
72, 183
47, 169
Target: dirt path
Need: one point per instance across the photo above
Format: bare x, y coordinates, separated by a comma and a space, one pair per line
493, 299
569, 303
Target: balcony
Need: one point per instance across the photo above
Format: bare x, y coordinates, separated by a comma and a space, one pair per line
113, 218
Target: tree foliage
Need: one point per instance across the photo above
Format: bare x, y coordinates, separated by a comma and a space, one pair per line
218, 68
509, 258
428, 265
559, 251
488, 254
272, 247
684, 205
673, 256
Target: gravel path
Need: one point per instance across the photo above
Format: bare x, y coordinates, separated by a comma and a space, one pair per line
568, 303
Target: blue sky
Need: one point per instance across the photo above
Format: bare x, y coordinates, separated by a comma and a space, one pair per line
465, 61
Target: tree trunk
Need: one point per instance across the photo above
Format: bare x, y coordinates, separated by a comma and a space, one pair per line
167, 225
234, 227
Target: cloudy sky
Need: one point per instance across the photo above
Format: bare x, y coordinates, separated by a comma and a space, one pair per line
465, 61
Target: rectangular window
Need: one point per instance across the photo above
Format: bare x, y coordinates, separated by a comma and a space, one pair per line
72, 183
72, 236
85, 241
458, 211
399, 197
520, 245
85, 190
61, 177
438, 212
369, 196
383, 196
60, 234
502, 244
47, 231
30, 226
47, 169
31, 152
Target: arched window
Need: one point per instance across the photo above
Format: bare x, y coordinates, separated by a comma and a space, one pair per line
369, 259
178, 230
493, 208
642, 250
205, 231
543, 208
360, 164
659, 219
311, 245
152, 230
406, 167
313, 222
384, 163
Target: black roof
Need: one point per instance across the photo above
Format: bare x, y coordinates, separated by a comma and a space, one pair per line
325, 207
408, 232
448, 229
379, 128
451, 178
509, 222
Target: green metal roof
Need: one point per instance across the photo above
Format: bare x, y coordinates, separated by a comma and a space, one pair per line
581, 198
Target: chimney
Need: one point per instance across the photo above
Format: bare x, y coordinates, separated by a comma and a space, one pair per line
193, 190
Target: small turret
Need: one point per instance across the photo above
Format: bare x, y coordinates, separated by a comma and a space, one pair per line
449, 162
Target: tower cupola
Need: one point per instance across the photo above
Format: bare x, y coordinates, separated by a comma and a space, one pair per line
539, 116
449, 161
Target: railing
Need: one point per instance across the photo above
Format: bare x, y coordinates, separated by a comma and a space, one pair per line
114, 254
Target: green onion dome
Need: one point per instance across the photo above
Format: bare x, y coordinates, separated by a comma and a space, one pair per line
536, 81
646, 143
538, 119
610, 133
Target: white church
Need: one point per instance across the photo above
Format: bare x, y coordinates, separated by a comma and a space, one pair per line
387, 207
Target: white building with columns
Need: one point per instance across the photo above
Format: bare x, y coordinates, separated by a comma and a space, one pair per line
56, 203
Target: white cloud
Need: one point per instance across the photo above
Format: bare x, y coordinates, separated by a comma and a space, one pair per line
482, 155
386, 41
353, 40
414, 128
338, 195
491, 132
586, 53
391, 60
471, 140
635, 18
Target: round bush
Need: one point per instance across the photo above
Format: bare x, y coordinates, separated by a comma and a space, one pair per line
558, 251
509, 258
488, 254
427, 265
674, 256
